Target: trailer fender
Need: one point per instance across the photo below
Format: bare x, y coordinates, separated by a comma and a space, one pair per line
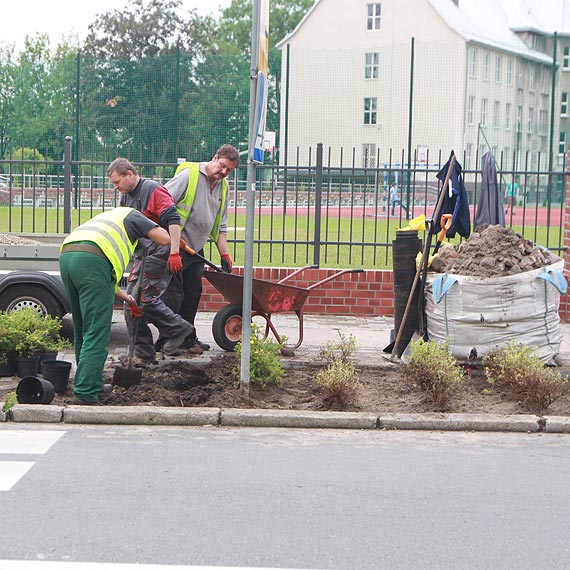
41, 291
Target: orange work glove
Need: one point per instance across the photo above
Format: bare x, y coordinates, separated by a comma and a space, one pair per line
174, 263
227, 263
136, 310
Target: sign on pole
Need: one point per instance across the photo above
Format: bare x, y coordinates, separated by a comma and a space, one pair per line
262, 83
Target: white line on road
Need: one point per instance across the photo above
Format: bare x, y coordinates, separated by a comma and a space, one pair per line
11, 472
49, 565
27, 441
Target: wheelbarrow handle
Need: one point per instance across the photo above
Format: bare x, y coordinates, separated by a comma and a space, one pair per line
188, 249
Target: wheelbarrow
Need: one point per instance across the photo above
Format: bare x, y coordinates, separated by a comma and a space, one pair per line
268, 298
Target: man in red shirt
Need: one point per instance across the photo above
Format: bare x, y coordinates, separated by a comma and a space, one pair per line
163, 263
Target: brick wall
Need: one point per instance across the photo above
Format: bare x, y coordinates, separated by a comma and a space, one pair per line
366, 294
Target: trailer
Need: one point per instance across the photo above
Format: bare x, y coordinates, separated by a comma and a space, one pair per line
29, 278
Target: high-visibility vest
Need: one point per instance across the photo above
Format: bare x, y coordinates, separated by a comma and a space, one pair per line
185, 205
108, 231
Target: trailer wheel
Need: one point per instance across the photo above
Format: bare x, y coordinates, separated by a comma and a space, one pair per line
226, 327
29, 297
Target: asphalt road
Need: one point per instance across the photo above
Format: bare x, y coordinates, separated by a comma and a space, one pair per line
280, 498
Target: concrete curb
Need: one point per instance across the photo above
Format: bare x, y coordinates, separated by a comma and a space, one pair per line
141, 415
236, 417
297, 419
462, 422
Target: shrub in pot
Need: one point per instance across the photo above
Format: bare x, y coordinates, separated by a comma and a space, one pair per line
8, 339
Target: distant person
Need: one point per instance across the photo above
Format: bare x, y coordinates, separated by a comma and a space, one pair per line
395, 198
200, 190
162, 263
93, 259
511, 193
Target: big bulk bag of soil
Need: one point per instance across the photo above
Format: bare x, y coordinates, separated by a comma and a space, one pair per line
482, 314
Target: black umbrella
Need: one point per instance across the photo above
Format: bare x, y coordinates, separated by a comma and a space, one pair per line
490, 206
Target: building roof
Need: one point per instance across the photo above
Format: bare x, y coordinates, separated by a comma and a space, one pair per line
494, 22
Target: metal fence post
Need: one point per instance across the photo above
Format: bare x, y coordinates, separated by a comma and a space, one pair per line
67, 186
318, 201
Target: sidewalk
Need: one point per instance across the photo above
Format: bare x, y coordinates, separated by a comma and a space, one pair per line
371, 334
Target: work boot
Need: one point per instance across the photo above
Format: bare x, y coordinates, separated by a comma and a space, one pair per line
195, 349
138, 361
172, 347
192, 340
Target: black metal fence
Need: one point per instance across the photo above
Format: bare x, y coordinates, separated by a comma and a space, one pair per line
332, 215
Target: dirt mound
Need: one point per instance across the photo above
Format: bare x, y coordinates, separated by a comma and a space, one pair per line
493, 251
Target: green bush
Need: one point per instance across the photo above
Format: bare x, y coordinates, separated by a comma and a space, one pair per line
10, 399
265, 367
338, 381
434, 370
8, 336
517, 370
36, 333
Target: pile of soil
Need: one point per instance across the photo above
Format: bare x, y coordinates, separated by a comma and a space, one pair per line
383, 388
493, 251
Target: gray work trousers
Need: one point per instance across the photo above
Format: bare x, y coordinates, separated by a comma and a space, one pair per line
157, 310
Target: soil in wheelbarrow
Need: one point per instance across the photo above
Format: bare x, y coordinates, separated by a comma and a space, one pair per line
382, 389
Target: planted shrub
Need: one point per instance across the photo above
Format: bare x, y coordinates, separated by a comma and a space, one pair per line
338, 381
434, 370
265, 367
518, 371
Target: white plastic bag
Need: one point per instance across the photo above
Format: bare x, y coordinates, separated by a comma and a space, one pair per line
480, 315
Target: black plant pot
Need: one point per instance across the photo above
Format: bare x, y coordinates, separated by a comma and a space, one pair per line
45, 356
9, 367
32, 390
57, 372
26, 366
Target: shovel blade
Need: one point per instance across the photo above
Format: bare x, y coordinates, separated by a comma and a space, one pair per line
126, 377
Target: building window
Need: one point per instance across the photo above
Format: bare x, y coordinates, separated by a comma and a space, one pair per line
545, 80
562, 143
520, 75
542, 122
531, 77
506, 157
483, 120
566, 58
369, 155
371, 66
471, 110
472, 62
519, 118
486, 66
507, 116
468, 155
370, 108
530, 120
509, 72
498, 69
496, 114
373, 19
564, 104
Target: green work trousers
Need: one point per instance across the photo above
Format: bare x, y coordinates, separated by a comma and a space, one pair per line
90, 286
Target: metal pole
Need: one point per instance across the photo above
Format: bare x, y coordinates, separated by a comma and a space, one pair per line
410, 116
77, 118
67, 185
177, 103
551, 144
318, 202
249, 213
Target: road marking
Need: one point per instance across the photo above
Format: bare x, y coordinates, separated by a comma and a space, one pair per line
11, 472
48, 565
24, 442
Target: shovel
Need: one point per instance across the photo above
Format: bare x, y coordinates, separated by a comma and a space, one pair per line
394, 346
188, 249
129, 376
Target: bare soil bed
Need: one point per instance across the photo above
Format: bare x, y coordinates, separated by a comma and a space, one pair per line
382, 389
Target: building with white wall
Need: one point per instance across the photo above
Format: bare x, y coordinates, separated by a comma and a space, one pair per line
384, 80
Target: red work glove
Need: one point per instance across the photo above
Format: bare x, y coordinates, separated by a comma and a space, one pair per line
174, 263
226, 263
136, 310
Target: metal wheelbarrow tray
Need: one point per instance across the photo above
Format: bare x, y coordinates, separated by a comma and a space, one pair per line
268, 298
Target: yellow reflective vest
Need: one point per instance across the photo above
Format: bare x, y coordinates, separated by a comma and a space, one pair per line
185, 205
107, 230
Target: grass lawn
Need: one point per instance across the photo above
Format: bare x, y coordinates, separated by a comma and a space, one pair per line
280, 241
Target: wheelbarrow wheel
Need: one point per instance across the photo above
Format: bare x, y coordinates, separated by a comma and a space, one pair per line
226, 327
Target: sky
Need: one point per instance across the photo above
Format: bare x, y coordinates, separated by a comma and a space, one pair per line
62, 18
